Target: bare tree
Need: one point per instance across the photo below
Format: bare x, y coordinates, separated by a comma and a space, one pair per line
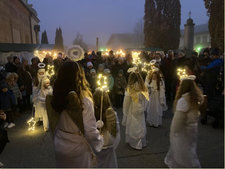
79, 41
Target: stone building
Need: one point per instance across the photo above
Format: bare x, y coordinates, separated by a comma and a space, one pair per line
124, 41
201, 37
19, 22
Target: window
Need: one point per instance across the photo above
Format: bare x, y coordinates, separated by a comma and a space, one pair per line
205, 39
198, 39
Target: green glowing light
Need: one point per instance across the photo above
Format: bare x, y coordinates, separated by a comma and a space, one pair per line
198, 49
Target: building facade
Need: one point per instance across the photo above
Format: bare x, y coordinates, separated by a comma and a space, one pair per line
201, 37
19, 22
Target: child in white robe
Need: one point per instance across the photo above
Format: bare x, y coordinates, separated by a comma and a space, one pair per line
157, 100
133, 111
35, 91
184, 127
45, 90
110, 130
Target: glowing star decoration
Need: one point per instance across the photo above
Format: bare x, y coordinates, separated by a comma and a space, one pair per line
146, 67
182, 73
136, 58
103, 86
42, 54
120, 53
102, 82
50, 71
31, 124
149, 66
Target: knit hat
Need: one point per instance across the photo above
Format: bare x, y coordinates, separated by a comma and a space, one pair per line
120, 71
107, 71
92, 71
89, 64
101, 66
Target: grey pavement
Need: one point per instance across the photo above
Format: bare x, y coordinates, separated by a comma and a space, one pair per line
35, 149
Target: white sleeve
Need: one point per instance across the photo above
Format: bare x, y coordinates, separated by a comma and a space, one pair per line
162, 96
147, 81
90, 129
41, 97
126, 104
179, 121
182, 105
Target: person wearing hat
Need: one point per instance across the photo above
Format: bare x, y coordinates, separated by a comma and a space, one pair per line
89, 65
7, 103
93, 79
87, 71
101, 68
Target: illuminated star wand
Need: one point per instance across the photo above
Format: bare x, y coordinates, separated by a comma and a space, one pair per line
31, 122
103, 86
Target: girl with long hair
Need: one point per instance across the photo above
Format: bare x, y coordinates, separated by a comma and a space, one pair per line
110, 130
157, 99
133, 111
184, 126
75, 132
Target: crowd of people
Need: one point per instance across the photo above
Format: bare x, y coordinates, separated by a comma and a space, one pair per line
68, 101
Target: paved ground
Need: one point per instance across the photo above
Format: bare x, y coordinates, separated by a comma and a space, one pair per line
35, 149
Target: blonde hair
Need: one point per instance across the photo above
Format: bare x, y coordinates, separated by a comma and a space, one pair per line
135, 77
15, 75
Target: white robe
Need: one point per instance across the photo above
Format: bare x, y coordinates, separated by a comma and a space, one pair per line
134, 120
156, 104
107, 157
71, 150
183, 137
40, 109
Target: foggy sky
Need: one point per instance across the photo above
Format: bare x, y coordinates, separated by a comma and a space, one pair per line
101, 18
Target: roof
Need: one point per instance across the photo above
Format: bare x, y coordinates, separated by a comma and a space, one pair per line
198, 29
122, 37
30, 9
14, 47
144, 49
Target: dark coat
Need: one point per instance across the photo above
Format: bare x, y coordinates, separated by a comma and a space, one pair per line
7, 100
25, 79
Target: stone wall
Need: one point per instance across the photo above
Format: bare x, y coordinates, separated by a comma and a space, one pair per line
15, 22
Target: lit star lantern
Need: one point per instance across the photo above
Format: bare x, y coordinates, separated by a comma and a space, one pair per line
136, 58
103, 86
50, 70
102, 82
181, 73
120, 53
31, 124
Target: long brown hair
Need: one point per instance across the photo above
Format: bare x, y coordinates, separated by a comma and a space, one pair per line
158, 79
70, 77
106, 105
189, 86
